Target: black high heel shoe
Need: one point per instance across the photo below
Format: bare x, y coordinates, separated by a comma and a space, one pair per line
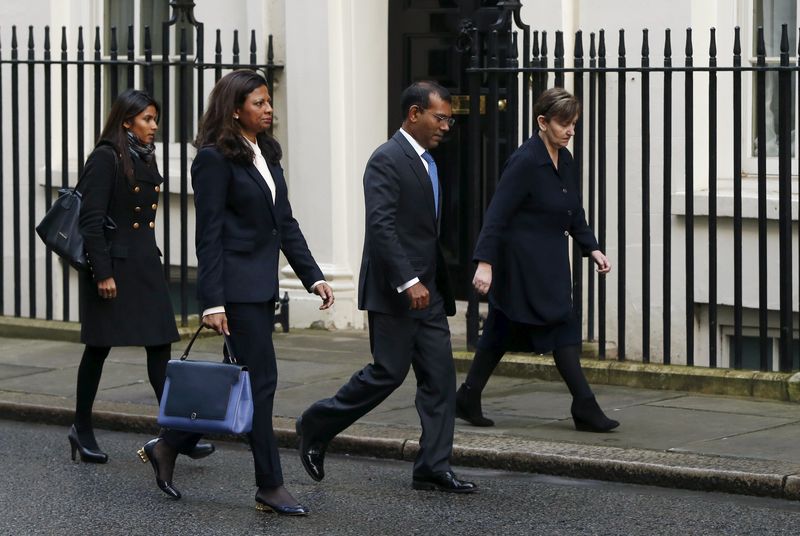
146, 454
588, 416
263, 505
87, 455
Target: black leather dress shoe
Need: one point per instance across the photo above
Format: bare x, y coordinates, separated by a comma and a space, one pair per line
201, 450
280, 509
312, 455
146, 455
446, 481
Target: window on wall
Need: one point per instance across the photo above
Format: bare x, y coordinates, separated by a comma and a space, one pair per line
771, 15
148, 13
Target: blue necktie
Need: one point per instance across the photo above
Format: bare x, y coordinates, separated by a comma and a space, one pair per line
434, 174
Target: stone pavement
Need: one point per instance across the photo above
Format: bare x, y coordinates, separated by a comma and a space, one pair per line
667, 437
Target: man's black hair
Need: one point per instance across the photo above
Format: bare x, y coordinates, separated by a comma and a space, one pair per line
419, 94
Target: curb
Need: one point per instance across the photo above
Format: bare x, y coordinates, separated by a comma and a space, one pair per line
631, 466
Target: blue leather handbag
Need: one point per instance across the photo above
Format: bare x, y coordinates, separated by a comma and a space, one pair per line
207, 397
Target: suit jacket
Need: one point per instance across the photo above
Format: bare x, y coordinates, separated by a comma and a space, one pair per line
401, 239
240, 232
525, 235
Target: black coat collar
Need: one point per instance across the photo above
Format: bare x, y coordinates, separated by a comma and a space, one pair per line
542, 157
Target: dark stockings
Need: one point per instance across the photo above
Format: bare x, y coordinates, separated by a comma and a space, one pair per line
482, 367
568, 363
567, 359
157, 358
89, 372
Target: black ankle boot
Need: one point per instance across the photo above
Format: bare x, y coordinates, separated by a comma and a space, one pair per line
589, 417
86, 452
468, 406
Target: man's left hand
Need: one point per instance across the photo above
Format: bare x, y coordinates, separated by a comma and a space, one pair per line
324, 291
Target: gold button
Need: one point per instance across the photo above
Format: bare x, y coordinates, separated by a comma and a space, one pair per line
152, 225
154, 206
137, 209
158, 188
136, 189
136, 225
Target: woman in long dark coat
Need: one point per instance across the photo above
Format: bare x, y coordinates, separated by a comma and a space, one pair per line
523, 263
124, 298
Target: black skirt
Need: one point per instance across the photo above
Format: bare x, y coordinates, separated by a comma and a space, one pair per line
140, 315
500, 333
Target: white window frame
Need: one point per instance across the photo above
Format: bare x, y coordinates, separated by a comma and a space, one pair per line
748, 39
174, 143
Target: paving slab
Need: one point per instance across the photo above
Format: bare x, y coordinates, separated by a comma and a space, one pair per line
732, 405
781, 442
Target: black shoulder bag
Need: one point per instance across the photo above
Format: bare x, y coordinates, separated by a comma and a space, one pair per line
59, 229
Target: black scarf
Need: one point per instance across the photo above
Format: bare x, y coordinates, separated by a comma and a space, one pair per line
137, 148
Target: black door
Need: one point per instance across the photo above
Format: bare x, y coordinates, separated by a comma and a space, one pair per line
423, 37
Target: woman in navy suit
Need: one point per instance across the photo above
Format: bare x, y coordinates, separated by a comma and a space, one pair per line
244, 221
523, 263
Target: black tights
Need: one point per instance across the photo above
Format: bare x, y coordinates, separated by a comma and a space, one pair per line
89, 372
567, 360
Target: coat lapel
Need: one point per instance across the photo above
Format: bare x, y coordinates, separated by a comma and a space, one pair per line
419, 170
253, 173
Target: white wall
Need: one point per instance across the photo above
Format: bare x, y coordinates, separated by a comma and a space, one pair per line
336, 77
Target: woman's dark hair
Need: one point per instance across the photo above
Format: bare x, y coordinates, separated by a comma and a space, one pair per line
557, 103
220, 129
419, 94
125, 108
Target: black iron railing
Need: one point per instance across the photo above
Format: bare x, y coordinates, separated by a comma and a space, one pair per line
109, 74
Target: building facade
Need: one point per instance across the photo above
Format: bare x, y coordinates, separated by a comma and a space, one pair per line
344, 63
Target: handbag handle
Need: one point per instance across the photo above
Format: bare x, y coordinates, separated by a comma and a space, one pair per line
229, 357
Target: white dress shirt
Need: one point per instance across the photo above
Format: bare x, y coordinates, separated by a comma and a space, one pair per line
419, 149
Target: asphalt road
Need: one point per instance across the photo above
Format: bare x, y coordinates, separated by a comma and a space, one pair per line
43, 492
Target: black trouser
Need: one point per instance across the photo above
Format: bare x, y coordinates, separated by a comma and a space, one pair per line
397, 343
250, 325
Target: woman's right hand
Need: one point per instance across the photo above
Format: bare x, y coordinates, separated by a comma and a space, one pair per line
218, 322
483, 278
107, 288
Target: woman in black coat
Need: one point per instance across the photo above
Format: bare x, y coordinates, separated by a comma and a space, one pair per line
244, 222
523, 263
124, 300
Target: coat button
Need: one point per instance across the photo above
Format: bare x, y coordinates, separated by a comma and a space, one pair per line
158, 188
152, 224
137, 209
274, 232
154, 206
566, 233
136, 189
569, 213
564, 190
136, 225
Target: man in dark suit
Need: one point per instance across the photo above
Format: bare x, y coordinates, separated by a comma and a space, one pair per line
403, 285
